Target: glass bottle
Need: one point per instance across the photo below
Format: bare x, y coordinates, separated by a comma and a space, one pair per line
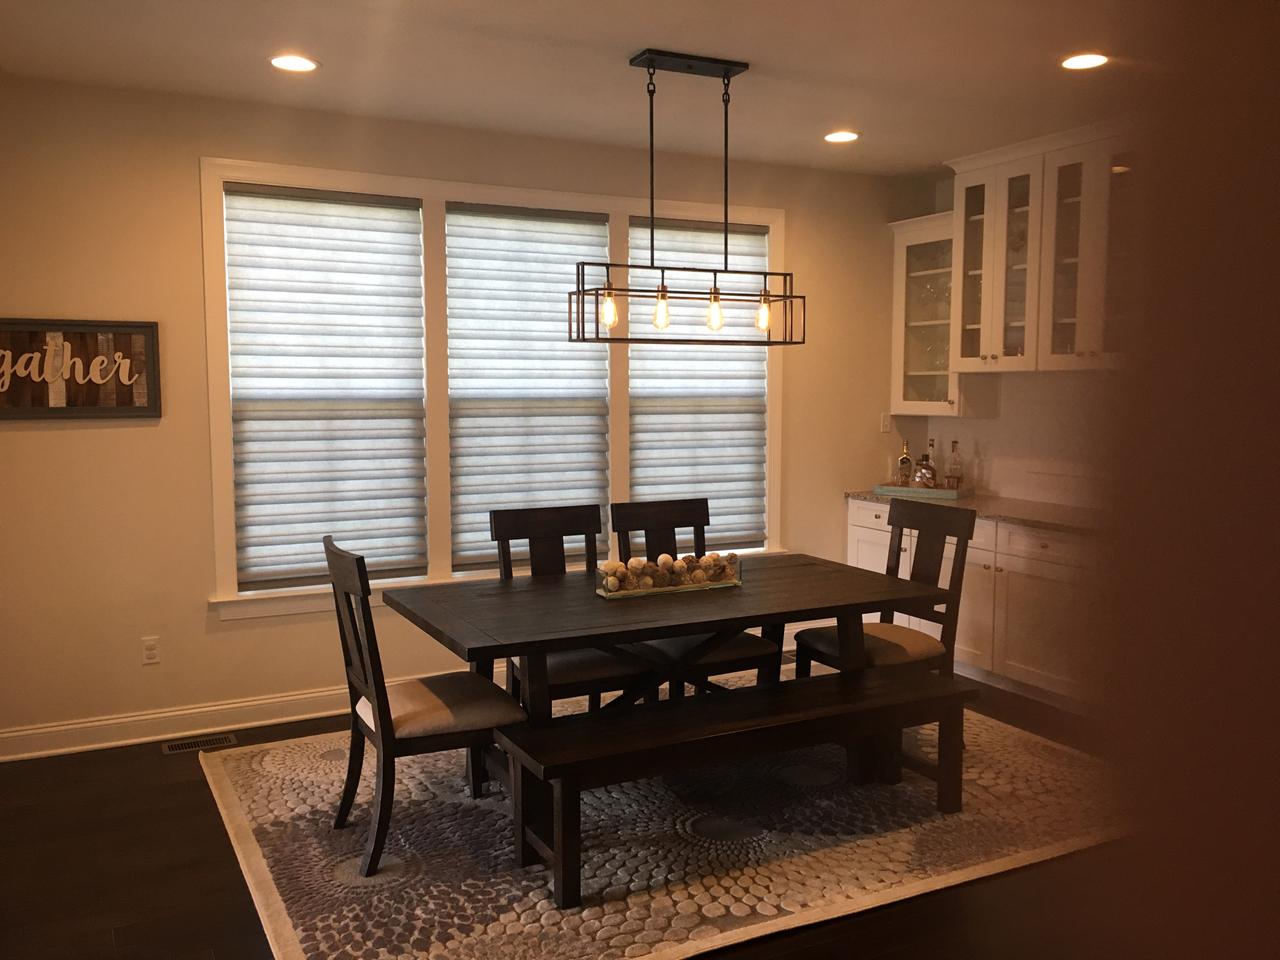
955, 467
904, 467
926, 474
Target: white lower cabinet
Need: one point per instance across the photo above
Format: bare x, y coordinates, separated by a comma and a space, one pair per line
1024, 597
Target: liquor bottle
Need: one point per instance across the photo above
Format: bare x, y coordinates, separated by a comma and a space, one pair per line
926, 474
955, 467
904, 467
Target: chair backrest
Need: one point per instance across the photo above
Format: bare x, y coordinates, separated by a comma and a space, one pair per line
933, 523
350, 579
660, 520
545, 528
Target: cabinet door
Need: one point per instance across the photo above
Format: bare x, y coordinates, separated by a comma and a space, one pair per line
1011, 341
869, 550
1042, 635
971, 261
923, 383
1073, 263
975, 625
1120, 299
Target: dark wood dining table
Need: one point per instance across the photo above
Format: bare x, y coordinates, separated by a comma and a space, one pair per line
483, 620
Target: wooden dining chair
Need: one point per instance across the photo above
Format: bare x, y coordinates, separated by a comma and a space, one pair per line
892, 645
448, 711
570, 673
661, 521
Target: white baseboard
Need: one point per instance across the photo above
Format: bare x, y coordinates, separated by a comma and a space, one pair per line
120, 730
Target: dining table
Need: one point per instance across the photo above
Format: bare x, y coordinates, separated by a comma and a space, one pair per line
483, 620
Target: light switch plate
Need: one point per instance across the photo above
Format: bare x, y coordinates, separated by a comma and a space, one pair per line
886, 423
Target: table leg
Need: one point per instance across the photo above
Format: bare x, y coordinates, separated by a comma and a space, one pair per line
772, 673
537, 692
477, 776
853, 653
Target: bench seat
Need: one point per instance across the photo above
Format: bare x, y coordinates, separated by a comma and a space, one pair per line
553, 763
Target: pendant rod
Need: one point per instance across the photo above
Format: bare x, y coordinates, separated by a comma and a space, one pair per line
725, 99
651, 88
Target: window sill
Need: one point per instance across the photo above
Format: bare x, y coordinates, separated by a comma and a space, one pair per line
299, 601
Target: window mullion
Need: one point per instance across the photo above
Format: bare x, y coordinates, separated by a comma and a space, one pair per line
436, 336
619, 373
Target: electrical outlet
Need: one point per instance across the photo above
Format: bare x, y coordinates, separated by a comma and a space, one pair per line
886, 423
150, 651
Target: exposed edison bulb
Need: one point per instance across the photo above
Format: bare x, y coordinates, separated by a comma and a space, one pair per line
608, 310
661, 310
715, 315
762, 312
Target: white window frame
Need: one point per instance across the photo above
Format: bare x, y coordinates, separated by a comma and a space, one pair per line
232, 603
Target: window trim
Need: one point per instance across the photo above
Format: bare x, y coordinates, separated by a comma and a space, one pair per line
216, 173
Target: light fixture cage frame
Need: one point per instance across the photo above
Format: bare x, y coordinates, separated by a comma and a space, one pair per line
787, 308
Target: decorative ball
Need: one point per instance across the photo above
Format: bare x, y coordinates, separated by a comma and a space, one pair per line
611, 584
665, 561
646, 583
679, 568
662, 579
635, 565
716, 573
707, 563
690, 560
678, 579
649, 569
630, 583
698, 576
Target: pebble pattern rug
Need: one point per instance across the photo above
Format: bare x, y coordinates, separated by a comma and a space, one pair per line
672, 866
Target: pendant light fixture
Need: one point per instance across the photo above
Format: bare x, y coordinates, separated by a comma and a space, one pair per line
779, 312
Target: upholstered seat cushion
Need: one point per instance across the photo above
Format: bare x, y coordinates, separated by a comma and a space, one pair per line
742, 647
446, 703
886, 644
588, 666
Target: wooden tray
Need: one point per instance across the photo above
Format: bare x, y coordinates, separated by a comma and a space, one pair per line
931, 493
683, 588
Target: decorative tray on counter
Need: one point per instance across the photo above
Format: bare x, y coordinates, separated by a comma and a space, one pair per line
936, 493
646, 578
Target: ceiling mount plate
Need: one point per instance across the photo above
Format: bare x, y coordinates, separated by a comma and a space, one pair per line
688, 63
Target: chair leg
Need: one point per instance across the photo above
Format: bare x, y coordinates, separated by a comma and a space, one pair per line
770, 672
675, 690
593, 701
513, 681
355, 763
476, 773
383, 794
804, 663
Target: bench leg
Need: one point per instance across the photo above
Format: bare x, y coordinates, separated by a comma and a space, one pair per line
476, 773
804, 664
567, 843
889, 757
861, 760
951, 760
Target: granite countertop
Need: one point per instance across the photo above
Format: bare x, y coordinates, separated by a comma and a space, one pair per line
1027, 513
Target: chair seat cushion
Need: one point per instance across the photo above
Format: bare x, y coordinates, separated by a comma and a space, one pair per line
445, 703
744, 646
588, 666
887, 644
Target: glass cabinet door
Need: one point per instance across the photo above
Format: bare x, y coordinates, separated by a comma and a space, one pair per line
970, 273
1120, 300
927, 322
1016, 303
1064, 270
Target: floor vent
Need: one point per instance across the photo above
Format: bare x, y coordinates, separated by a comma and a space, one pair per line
191, 744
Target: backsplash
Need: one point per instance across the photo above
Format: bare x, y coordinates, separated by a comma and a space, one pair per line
1046, 444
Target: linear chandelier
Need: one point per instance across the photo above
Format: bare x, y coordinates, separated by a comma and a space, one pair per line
594, 311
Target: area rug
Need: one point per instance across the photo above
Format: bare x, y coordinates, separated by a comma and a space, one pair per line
671, 867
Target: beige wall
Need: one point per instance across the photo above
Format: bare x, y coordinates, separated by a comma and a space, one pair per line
106, 527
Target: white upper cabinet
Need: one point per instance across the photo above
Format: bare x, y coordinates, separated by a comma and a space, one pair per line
923, 381
996, 223
1042, 274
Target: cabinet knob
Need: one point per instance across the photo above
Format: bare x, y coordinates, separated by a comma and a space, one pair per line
995, 356
986, 566
999, 569
1093, 353
877, 516
1079, 353
1044, 546
902, 549
951, 402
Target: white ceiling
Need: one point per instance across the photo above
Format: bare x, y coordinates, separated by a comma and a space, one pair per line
922, 80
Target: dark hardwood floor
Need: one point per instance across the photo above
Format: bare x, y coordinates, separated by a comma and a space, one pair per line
121, 855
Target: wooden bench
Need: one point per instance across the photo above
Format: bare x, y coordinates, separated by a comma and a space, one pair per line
552, 764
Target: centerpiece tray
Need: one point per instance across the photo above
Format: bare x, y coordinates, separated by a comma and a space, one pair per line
647, 578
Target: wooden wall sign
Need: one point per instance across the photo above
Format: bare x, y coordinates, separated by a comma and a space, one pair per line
66, 369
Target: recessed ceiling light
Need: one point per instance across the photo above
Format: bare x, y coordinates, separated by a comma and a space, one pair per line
294, 63
1084, 61
841, 136
1119, 168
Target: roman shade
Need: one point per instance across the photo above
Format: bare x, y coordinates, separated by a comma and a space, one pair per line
698, 413
528, 411
325, 312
